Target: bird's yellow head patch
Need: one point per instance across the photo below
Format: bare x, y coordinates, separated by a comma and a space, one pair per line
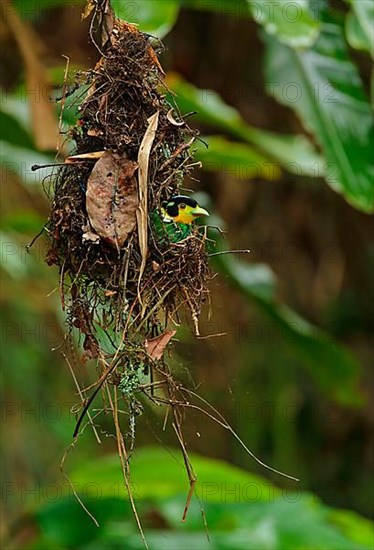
182, 209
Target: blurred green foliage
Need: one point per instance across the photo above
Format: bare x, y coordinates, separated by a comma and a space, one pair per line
277, 21
212, 110
333, 105
337, 146
359, 26
241, 510
327, 360
154, 18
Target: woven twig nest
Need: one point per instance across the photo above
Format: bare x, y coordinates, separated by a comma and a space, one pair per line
131, 154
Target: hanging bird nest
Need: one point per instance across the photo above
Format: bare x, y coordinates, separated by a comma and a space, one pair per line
132, 153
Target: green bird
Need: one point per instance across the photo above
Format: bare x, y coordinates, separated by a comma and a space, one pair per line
176, 218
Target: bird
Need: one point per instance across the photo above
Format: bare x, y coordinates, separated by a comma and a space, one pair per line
176, 218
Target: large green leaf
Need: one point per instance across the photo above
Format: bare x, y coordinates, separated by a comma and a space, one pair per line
20, 159
168, 477
248, 512
153, 17
17, 149
333, 368
292, 23
239, 160
232, 526
278, 525
324, 88
353, 526
294, 153
17, 107
14, 132
360, 25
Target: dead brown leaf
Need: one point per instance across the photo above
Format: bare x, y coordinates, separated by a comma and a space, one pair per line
142, 212
94, 133
107, 21
112, 199
91, 348
88, 8
172, 120
155, 60
89, 236
110, 293
95, 155
156, 346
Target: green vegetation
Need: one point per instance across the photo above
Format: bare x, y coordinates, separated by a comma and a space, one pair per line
294, 389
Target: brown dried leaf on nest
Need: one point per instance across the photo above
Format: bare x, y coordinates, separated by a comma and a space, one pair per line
95, 133
112, 198
90, 236
88, 9
95, 155
156, 346
172, 120
106, 15
142, 213
91, 348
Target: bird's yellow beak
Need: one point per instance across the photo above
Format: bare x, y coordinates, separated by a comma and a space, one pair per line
198, 211
188, 214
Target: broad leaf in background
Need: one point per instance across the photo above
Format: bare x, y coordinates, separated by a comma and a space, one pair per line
293, 23
17, 149
241, 510
238, 159
19, 160
16, 106
71, 100
333, 368
327, 94
353, 526
14, 132
167, 477
360, 25
153, 17
294, 153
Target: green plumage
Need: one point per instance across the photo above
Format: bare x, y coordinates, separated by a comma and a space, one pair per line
168, 231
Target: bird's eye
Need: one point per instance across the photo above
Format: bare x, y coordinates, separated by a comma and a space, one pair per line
182, 206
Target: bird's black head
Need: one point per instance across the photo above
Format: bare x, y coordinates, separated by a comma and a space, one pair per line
177, 204
182, 209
